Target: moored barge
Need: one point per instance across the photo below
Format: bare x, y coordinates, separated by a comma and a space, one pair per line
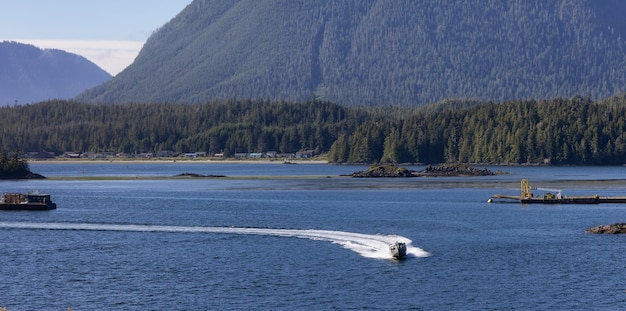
527, 197
32, 201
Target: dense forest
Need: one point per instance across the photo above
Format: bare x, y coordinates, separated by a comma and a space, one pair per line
228, 127
560, 131
373, 52
557, 131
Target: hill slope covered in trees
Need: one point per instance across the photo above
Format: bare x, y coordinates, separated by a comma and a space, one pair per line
558, 131
374, 52
29, 74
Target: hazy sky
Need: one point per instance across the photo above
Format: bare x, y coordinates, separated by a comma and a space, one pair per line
109, 33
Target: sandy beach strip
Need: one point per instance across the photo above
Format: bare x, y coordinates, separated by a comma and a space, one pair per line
170, 160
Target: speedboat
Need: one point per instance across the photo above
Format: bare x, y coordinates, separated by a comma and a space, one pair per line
398, 250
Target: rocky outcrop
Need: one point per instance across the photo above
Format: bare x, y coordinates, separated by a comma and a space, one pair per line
34, 176
453, 170
384, 170
609, 229
391, 170
21, 175
195, 175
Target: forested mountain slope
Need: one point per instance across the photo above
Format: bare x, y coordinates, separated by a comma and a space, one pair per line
29, 74
378, 52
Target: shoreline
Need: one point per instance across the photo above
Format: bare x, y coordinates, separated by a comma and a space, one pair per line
163, 160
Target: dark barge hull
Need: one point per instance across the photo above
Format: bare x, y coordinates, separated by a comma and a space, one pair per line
612, 200
27, 207
574, 200
564, 200
577, 200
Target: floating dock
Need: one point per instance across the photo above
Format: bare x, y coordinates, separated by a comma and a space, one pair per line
527, 197
33, 201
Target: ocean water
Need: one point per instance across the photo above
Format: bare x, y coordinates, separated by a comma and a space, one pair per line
301, 241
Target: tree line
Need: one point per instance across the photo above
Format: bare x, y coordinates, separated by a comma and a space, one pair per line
217, 127
574, 131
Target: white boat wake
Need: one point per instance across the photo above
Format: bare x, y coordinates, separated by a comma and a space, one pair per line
366, 245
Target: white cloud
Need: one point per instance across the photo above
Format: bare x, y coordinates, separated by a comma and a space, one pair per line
110, 55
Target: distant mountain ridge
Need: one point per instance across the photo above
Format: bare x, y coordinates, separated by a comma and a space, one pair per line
377, 52
29, 74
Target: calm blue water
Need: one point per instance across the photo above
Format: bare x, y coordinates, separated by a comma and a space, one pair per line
308, 243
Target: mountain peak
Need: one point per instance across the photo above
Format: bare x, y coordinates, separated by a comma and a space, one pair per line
30, 74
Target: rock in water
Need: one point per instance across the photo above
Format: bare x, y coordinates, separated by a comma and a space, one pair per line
384, 170
609, 229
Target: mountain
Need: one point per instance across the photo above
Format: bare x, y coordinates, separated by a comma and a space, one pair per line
378, 52
29, 74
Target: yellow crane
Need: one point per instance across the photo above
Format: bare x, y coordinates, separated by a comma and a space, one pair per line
527, 194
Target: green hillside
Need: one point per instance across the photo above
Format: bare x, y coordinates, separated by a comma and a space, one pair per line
575, 131
372, 53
